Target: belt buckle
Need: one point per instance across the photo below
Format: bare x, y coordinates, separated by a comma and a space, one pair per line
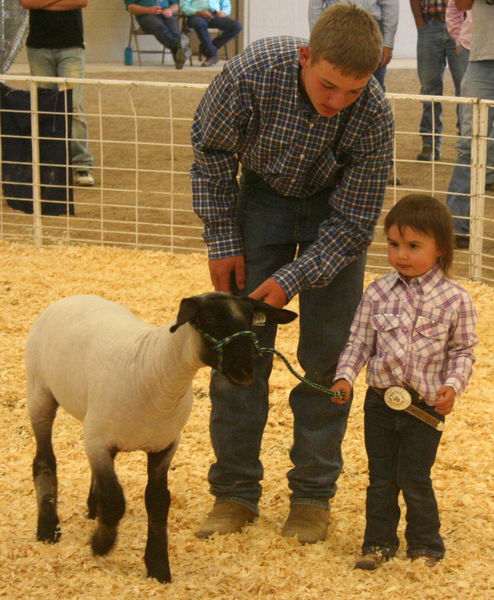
397, 398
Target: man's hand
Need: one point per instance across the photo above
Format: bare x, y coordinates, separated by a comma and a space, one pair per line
220, 270
341, 385
387, 56
445, 399
271, 292
221, 13
205, 14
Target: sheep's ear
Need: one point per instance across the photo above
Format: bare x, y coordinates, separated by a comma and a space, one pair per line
189, 308
271, 314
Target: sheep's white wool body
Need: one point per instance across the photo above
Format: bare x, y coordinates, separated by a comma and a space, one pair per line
127, 381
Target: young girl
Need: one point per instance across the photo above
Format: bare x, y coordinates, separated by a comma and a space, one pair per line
415, 329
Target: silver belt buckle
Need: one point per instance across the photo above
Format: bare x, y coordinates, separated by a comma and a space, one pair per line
397, 398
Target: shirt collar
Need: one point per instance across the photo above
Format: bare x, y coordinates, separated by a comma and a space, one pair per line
424, 284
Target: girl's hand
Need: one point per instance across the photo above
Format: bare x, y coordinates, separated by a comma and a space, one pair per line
341, 385
445, 399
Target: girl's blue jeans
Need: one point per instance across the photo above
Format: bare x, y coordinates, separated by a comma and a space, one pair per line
401, 450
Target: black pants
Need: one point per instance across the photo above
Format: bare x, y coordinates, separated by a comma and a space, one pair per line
401, 450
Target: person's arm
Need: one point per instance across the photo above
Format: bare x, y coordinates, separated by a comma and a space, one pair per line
416, 7
359, 348
464, 4
454, 21
390, 10
460, 347
356, 203
53, 4
217, 140
137, 9
173, 9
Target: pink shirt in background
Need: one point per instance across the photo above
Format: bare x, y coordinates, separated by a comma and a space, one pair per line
459, 25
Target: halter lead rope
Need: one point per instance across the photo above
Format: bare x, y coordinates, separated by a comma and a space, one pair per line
218, 346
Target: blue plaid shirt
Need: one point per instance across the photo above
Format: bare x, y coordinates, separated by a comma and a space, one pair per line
253, 113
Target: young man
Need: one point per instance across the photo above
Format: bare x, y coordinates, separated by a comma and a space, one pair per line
313, 133
55, 48
159, 17
210, 14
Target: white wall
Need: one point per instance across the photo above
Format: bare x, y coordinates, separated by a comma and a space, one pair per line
264, 18
106, 26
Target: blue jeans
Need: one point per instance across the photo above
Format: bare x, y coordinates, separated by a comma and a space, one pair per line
401, 451
435, 47
229, 30
478, 82
380, 74
165, 30
66, 62
272, 228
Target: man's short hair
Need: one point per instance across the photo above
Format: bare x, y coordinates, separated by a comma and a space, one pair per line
349, 38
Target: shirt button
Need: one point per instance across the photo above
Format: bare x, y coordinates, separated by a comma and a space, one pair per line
311, 125
405, 330
302, 156
293, 180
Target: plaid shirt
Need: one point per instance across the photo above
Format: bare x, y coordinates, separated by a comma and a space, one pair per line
254, 113
419, 334
434, 8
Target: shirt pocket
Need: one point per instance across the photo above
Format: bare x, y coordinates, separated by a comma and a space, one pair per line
390, 339
430, 337
385, 322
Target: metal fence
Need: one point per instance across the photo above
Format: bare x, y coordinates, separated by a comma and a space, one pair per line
139, 134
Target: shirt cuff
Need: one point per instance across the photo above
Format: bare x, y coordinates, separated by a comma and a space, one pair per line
455, 383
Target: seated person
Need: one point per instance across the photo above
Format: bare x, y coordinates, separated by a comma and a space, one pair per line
210, 14
159, 17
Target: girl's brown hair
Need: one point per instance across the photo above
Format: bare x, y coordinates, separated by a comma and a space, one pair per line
349, 38
427, 215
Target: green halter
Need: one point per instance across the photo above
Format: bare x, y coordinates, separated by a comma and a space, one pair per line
218, 345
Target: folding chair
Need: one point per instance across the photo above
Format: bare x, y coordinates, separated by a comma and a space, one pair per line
134, 33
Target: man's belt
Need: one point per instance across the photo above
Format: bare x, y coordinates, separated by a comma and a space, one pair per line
435, 17
400, 398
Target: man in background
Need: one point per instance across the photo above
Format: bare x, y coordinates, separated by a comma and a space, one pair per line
159, 18
478, 82
55, 48
210, 14
435, 49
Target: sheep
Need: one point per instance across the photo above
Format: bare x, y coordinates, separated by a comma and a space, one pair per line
130, 384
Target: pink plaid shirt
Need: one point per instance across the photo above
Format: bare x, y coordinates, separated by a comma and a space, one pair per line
418, 333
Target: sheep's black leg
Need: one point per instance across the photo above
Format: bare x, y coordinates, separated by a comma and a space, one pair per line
42, 410
157, 505
107, 494
92, 500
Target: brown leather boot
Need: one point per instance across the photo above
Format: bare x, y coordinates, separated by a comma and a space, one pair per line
226, 517
371, 561
308, 523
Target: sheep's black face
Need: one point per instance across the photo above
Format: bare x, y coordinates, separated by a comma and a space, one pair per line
220, 316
